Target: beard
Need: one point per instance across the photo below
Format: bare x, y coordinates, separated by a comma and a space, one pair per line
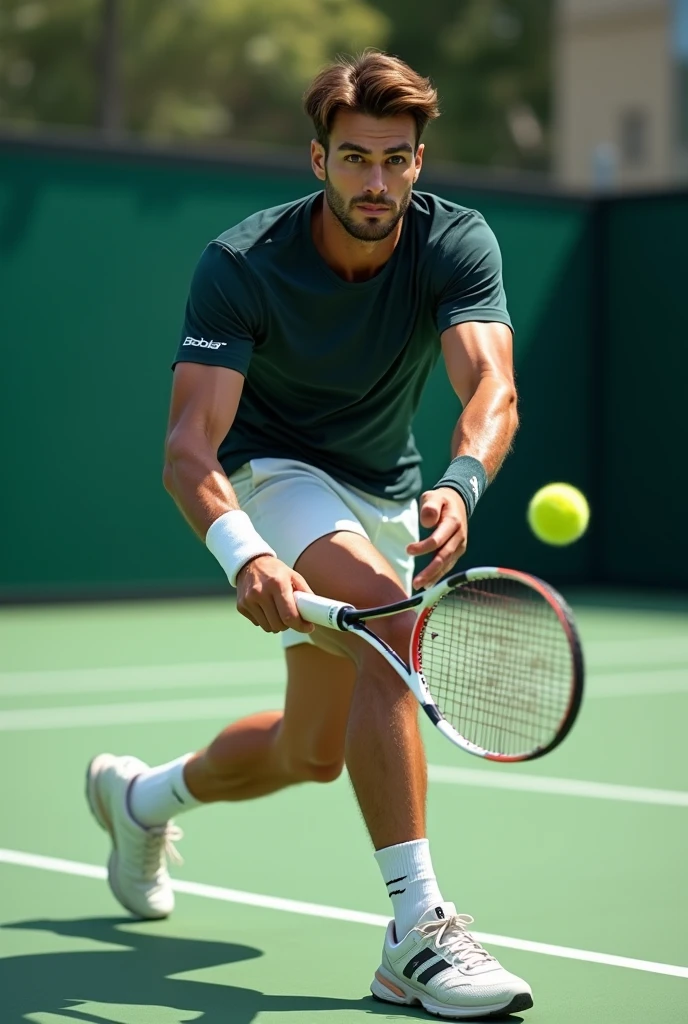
372, 229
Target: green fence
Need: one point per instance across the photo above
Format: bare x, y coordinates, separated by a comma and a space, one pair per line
96, 254
645, 404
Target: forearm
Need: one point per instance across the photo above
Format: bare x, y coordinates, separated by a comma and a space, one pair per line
198, 484
488, 423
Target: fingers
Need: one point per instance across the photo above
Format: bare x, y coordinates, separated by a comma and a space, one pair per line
448, 539
431, 505
299, 583
445, 559
285, 606
437, 509
265, 596
448, 526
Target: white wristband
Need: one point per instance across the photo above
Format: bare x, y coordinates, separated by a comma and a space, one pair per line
234, 542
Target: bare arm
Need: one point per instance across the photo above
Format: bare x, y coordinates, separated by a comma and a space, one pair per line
204, 403
479, 362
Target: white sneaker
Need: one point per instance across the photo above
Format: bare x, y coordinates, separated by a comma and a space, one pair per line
137, 868
441, 966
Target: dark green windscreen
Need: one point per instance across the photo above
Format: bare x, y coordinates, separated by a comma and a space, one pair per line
645, 405
95, 259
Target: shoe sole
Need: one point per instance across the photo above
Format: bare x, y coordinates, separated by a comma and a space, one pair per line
101, 816
520, 1001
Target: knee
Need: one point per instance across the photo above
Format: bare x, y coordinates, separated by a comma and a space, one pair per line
395, 631
374, 670
310, 769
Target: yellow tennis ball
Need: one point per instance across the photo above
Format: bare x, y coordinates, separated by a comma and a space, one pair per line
558, 514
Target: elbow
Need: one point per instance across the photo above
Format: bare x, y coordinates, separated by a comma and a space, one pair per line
168, 477
173, 452
513, 410
509, 407
510, 401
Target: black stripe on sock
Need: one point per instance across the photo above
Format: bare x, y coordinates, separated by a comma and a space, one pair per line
437, 968
416, 961
393, 880
396, 892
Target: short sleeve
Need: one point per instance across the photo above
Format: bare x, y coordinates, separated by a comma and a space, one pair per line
222, 317
471, 271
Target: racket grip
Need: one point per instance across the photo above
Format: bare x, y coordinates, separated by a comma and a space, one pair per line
322, 611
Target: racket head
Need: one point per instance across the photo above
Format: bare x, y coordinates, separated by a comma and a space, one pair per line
498, 653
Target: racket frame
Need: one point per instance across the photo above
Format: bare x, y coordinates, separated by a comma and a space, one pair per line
346, 618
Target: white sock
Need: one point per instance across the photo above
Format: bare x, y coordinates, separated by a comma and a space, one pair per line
161, 793
408, 873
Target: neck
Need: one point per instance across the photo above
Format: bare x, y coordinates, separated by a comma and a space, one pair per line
349, 257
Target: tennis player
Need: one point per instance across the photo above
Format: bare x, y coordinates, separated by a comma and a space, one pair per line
310, 331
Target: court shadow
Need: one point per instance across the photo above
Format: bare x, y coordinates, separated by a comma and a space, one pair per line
119, 985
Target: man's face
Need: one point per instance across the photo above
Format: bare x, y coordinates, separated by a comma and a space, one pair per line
369, 172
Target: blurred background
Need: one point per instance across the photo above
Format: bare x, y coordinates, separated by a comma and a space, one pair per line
585, 91
131, 134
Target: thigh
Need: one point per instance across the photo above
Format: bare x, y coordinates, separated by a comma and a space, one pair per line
322, 675
292, 504
347, 567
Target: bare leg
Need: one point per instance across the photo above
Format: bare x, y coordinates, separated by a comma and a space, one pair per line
386, 760
384, 750
274, 749
382, 743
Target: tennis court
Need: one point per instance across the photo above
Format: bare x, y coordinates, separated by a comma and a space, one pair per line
573, 866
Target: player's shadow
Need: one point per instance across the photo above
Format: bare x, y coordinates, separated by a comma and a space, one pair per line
118, 985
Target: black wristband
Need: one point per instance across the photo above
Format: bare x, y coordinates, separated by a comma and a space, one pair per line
467, 476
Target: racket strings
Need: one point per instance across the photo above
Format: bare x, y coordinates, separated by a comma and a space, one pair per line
498, 665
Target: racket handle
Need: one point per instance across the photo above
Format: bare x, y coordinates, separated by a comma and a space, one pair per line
322, 611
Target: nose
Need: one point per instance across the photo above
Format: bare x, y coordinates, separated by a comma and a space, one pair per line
375, 182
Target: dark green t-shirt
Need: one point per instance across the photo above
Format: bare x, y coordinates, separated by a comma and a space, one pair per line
334, 370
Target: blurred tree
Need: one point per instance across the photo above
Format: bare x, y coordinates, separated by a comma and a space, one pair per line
237, 68
201, 68
491, 61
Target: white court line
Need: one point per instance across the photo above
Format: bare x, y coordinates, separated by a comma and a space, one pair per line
650, 651
659, 680
139, 713
225, 708
560, 787
252, 899
48, 682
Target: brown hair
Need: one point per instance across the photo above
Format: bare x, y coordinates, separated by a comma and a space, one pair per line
373, 83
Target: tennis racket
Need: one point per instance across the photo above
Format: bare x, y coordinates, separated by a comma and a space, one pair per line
495, 659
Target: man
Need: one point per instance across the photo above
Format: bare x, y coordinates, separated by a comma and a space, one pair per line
310, 331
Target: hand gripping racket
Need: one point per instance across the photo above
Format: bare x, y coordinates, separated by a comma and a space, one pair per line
495, 659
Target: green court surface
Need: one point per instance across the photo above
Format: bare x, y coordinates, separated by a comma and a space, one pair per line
574, 866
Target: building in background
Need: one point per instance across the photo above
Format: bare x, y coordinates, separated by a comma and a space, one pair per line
621, 93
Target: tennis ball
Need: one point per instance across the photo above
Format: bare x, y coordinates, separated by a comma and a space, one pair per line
558, 514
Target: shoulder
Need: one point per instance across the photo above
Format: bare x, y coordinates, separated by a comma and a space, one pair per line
449, 227
239, 251
275, 226
458, 245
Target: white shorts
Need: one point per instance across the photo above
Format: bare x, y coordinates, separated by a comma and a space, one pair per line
292, 504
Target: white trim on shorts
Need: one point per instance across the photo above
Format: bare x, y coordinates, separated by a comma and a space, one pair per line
292, 504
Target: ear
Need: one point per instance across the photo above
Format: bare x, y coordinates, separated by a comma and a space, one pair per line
418, 160
318, 160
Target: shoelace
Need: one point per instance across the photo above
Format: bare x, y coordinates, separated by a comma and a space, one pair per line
159, 848
452, 936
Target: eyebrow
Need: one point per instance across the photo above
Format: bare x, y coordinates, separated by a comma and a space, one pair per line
403, 147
